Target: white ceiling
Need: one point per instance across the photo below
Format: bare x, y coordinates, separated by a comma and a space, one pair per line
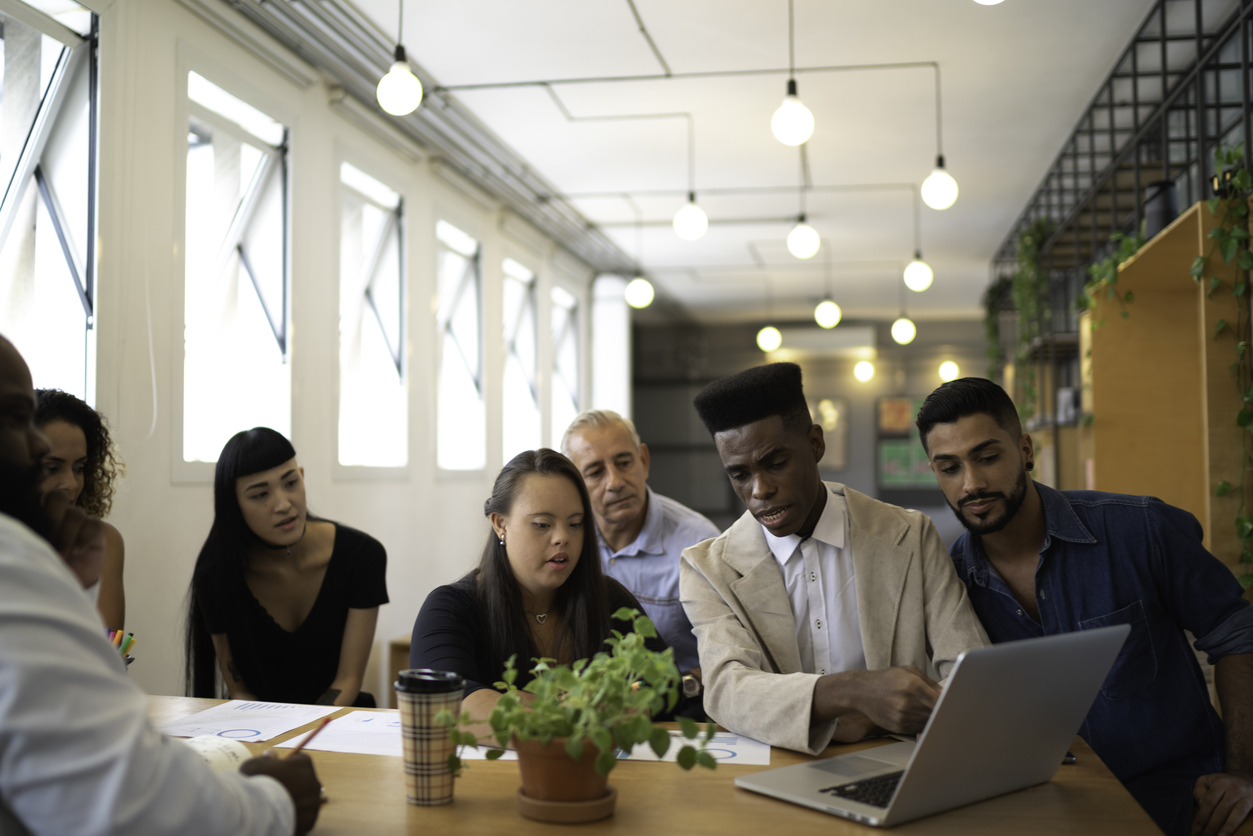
1016, 77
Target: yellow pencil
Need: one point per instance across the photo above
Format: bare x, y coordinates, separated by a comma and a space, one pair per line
117, 639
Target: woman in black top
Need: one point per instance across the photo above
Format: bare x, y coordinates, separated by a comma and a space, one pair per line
538, 590
286, 603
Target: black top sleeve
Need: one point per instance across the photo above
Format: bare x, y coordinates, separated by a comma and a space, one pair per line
448, 635
369, 567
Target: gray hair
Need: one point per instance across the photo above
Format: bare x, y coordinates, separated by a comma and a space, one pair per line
597, 418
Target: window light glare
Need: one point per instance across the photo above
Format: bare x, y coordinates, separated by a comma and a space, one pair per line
903, 331
207, 94
399, 92
918, 275
939, 191
357, 180
690, 222
639, 292
803, 241
827, 314
948, 369
863, 371
769, 338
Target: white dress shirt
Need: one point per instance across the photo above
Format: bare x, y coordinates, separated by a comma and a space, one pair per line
77, 753
822, 586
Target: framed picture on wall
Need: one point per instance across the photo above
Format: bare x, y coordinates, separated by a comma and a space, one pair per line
832, 415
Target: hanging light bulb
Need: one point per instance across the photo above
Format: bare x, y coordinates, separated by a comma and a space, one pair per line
939, 191
863, 371
803, 240
989, 2
918, 274
792, 123
948, 369
903, 331
690, 222
399, 92
827, 314
769, 338
639, 292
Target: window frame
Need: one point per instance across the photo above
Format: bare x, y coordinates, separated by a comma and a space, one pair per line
450, 212
537, 292
255, 94
579, 290
394, 180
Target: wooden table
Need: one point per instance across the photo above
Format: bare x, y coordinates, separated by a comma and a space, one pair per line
367, 795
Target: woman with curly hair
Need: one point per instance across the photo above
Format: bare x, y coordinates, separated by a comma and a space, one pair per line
83, 464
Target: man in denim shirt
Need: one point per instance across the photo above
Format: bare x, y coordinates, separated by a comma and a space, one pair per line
1037, 561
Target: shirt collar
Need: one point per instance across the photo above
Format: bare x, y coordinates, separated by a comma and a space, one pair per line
650, 539
1060, 521
830, 529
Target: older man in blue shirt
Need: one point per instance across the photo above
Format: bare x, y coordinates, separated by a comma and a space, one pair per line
1037, 561
642, 533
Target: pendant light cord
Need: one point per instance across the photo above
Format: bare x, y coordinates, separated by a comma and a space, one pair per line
791, 42
400, 25
917, 225
939, 133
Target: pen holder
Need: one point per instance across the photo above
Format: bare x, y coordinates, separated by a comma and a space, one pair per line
421, 694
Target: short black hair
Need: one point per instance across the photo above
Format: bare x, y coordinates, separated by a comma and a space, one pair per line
967, 396
754, 394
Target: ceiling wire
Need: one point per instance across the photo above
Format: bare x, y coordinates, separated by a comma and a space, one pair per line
651, 44
791, 41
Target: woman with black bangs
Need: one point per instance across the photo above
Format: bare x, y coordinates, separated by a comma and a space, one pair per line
285, 602
538, 590
83, 464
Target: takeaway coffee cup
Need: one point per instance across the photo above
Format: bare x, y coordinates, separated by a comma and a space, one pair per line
421, 694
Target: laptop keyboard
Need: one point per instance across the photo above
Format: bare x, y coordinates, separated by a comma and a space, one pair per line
876, 792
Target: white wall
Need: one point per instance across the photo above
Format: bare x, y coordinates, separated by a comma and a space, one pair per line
430, 523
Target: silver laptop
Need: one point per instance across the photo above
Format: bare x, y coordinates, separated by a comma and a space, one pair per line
1004, 721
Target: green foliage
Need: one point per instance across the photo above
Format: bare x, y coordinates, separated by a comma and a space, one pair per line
608, 699
992, 296
1103, 277
1027, 292
1230, 239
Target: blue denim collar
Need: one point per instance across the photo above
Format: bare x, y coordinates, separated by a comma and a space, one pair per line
1060, 521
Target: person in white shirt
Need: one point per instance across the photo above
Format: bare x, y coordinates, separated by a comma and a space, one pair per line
77, 752
821, 614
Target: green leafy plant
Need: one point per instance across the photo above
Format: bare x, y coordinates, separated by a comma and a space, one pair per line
1230, 239
1027, 292
992, 296
608, 700
1103, 277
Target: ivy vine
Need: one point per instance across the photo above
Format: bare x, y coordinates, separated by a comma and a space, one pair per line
1103, 277
992, 296
1027, 293
1230, 238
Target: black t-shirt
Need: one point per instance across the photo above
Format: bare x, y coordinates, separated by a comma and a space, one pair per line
450, 634
298, 667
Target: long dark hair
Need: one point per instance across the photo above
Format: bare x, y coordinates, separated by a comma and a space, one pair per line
582, 602
103, 466
219, 573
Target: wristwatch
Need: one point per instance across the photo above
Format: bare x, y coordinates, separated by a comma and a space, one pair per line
691, 686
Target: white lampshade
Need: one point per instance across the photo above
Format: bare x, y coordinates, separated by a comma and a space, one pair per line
989, 2
827, 314
399, 92
639, 292
903, 331
803, 240
918, 275
863, 371
769, 338
690, 222
939, 191
792, 123
948, 369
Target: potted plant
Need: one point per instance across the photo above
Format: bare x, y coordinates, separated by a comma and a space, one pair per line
567, 731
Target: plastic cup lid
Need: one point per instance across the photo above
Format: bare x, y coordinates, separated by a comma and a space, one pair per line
427, 681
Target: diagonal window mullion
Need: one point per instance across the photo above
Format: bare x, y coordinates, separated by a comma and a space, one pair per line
59, 226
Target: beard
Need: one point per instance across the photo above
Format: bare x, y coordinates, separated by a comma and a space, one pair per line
20, 498
1013, 502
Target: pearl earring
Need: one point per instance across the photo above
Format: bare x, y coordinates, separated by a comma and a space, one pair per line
502, 539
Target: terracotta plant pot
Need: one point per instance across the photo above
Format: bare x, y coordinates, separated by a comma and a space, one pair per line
549, 774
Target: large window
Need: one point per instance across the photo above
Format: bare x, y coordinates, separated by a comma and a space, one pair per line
520, 427
373, 392
236, 306
47, 209
565, 403
460, 423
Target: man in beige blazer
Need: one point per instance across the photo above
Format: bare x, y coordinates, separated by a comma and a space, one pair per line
820, 613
